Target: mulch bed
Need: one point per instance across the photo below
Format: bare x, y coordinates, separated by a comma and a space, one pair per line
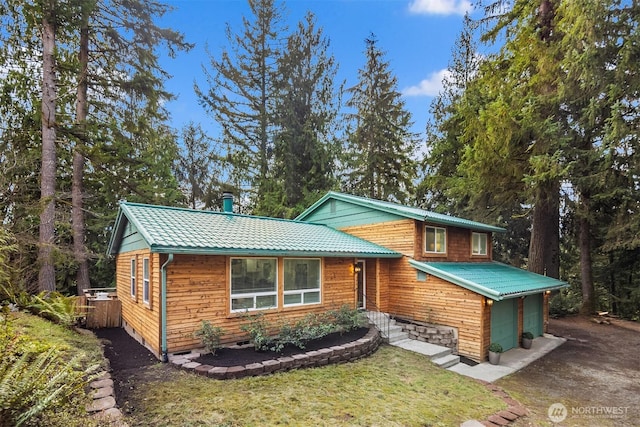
226, 357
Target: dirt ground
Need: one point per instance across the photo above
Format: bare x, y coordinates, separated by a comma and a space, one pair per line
595, 375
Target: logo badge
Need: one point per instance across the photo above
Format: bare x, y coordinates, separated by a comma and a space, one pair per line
557, 412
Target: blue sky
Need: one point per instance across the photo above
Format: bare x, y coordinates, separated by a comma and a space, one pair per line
417, 36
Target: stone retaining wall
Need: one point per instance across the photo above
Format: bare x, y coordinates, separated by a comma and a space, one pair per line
338, 354
434, 334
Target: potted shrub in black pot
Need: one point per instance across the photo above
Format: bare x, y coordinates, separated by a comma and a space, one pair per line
527, 340
495, 350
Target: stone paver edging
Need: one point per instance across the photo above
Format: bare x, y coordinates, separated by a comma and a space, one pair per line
505, 417
326, 356
104, 404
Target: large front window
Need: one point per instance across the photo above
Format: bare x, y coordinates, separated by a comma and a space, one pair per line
301, 281
435, 240
253, 283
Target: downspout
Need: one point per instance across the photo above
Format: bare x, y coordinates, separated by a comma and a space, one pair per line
163, 303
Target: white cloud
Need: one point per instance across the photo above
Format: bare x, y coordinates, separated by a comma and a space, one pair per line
430, 86
440, 7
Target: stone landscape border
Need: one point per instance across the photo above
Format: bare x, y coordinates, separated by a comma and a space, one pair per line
326, 356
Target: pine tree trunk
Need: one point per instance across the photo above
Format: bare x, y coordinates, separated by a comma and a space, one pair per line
47, 276
77, 189
584, 243
544, 247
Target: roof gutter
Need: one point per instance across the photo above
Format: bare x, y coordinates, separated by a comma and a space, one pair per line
163, 303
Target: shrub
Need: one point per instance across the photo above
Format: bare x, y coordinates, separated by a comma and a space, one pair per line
348, 319
258, 331
566, 302
311, 327
495, 347
210, 336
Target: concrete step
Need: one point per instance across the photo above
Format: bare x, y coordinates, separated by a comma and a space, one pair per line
446, 361
396, 336
431, 350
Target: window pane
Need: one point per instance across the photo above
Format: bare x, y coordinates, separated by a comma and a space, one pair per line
435, 239
252, 275
479, 242
301, 274
241, 303
266, 301
311, 297
292, 299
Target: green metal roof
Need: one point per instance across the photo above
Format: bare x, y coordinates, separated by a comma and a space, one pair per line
492, 279
400, 210
177, 230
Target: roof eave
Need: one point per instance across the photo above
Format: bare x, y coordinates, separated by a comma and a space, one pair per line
268, 252
536, 291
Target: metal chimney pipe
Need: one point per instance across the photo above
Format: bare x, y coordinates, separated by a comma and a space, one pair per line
227, 202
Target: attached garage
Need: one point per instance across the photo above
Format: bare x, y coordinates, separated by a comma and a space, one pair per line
513, 300
504, 323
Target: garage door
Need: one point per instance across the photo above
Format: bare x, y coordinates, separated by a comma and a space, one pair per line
532, 315
504, 323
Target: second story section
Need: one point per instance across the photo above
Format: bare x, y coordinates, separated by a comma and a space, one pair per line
414, 232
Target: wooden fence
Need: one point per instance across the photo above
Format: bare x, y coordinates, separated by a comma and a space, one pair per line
102, 309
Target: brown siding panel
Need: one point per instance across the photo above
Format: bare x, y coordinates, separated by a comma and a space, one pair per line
198, 289
440, 302
396, 235
142, 318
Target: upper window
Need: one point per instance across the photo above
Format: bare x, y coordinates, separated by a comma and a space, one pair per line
133, 277
301, 281
253, 283
145, 280
478, 243
435, 240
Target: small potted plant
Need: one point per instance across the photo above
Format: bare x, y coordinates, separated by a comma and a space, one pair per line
527, 340
495, 350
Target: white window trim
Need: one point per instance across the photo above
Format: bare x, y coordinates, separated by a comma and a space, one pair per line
253, 295
425, 240
486, 244
146, 267
302, 292
132, 284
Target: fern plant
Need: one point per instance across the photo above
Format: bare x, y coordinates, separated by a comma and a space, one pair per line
61, 309
33, 381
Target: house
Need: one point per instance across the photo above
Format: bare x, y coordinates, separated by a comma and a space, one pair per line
446, 275
176, 267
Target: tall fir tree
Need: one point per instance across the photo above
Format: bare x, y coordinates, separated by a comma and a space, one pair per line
118, 130
307, 107
381, 148
196, 167
241, 94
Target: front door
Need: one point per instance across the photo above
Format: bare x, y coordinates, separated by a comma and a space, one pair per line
362, 284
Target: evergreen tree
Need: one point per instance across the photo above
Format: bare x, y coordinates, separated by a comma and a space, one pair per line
241, 94
381, 146
119, 131
306, 111
196, 166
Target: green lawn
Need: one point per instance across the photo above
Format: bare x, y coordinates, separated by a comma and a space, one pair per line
393, 387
